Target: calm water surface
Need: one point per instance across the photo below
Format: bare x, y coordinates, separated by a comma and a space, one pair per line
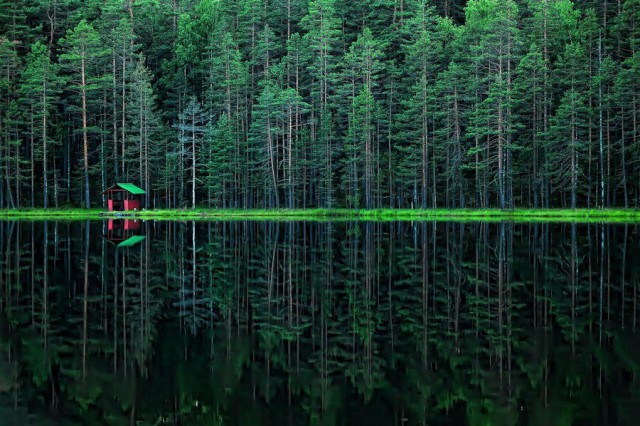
344, 323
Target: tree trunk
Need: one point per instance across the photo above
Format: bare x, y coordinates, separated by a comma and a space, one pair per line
193, 164
146, 163
290, 154
45, 168
623, 160
600, 126
85, 137
124, 105
115, 120
272, 164
574, 160
33, 169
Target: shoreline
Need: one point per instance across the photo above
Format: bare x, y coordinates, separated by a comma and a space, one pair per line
480, 215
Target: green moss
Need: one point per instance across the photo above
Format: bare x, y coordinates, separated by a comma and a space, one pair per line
516, 215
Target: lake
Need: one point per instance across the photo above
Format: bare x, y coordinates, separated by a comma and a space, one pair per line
324, 323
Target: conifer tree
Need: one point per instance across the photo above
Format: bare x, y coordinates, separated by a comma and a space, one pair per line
192, 126
39, 88
83, 53
321, 38
144, 135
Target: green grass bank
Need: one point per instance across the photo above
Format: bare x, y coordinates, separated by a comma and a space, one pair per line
516, 215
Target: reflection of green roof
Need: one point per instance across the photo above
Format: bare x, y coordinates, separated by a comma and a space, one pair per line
131, 188
131, 241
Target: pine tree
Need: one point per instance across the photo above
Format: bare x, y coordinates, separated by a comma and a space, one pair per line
84, 51
357, 150
144, 135
263, 140
290, 106
321, 41
424, 60
627, 100
191, 127
529, 108
218, 147
568, 136
450, 98
16, 164
567, 141
226, 78
9, 63
493, 24
553, 24
121, 41
362, 72
39, 88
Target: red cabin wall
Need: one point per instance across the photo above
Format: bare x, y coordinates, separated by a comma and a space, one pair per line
131, 204
110, 204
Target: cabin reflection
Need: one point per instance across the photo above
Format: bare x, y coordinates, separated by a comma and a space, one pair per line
123, 232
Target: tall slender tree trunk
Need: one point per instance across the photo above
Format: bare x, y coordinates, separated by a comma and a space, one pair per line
124, 106
32, 143
272, 160
501, 200
623, 159
2, 156
141, 143
634, 143
600, 125
45, 167
458, 150
574, 162
85, 137
114, 113
425, 142
544, 196
146, 162
193, 164
367, 160
389, 159
290, 153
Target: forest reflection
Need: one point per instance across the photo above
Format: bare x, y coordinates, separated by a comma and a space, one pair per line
393, 323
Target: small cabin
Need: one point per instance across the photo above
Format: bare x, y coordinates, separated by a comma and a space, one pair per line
123, 197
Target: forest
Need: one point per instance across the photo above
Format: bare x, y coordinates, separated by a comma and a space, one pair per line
321, 104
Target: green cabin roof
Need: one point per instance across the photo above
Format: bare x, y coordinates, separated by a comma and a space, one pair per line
133, 189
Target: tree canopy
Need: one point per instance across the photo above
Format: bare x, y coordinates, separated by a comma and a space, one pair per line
314, 103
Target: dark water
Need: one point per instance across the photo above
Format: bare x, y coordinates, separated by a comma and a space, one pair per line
250, 323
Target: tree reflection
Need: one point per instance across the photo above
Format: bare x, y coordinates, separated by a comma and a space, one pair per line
321, 323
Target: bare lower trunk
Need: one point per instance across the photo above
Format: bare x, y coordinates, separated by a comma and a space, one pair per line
45, 168
193, 168
85, 138
124, 104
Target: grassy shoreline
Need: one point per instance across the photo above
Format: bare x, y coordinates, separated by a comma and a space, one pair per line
516, 215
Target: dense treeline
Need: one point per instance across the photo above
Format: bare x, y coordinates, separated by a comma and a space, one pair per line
315, 103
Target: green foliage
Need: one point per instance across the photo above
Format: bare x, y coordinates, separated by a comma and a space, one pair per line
369, 103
